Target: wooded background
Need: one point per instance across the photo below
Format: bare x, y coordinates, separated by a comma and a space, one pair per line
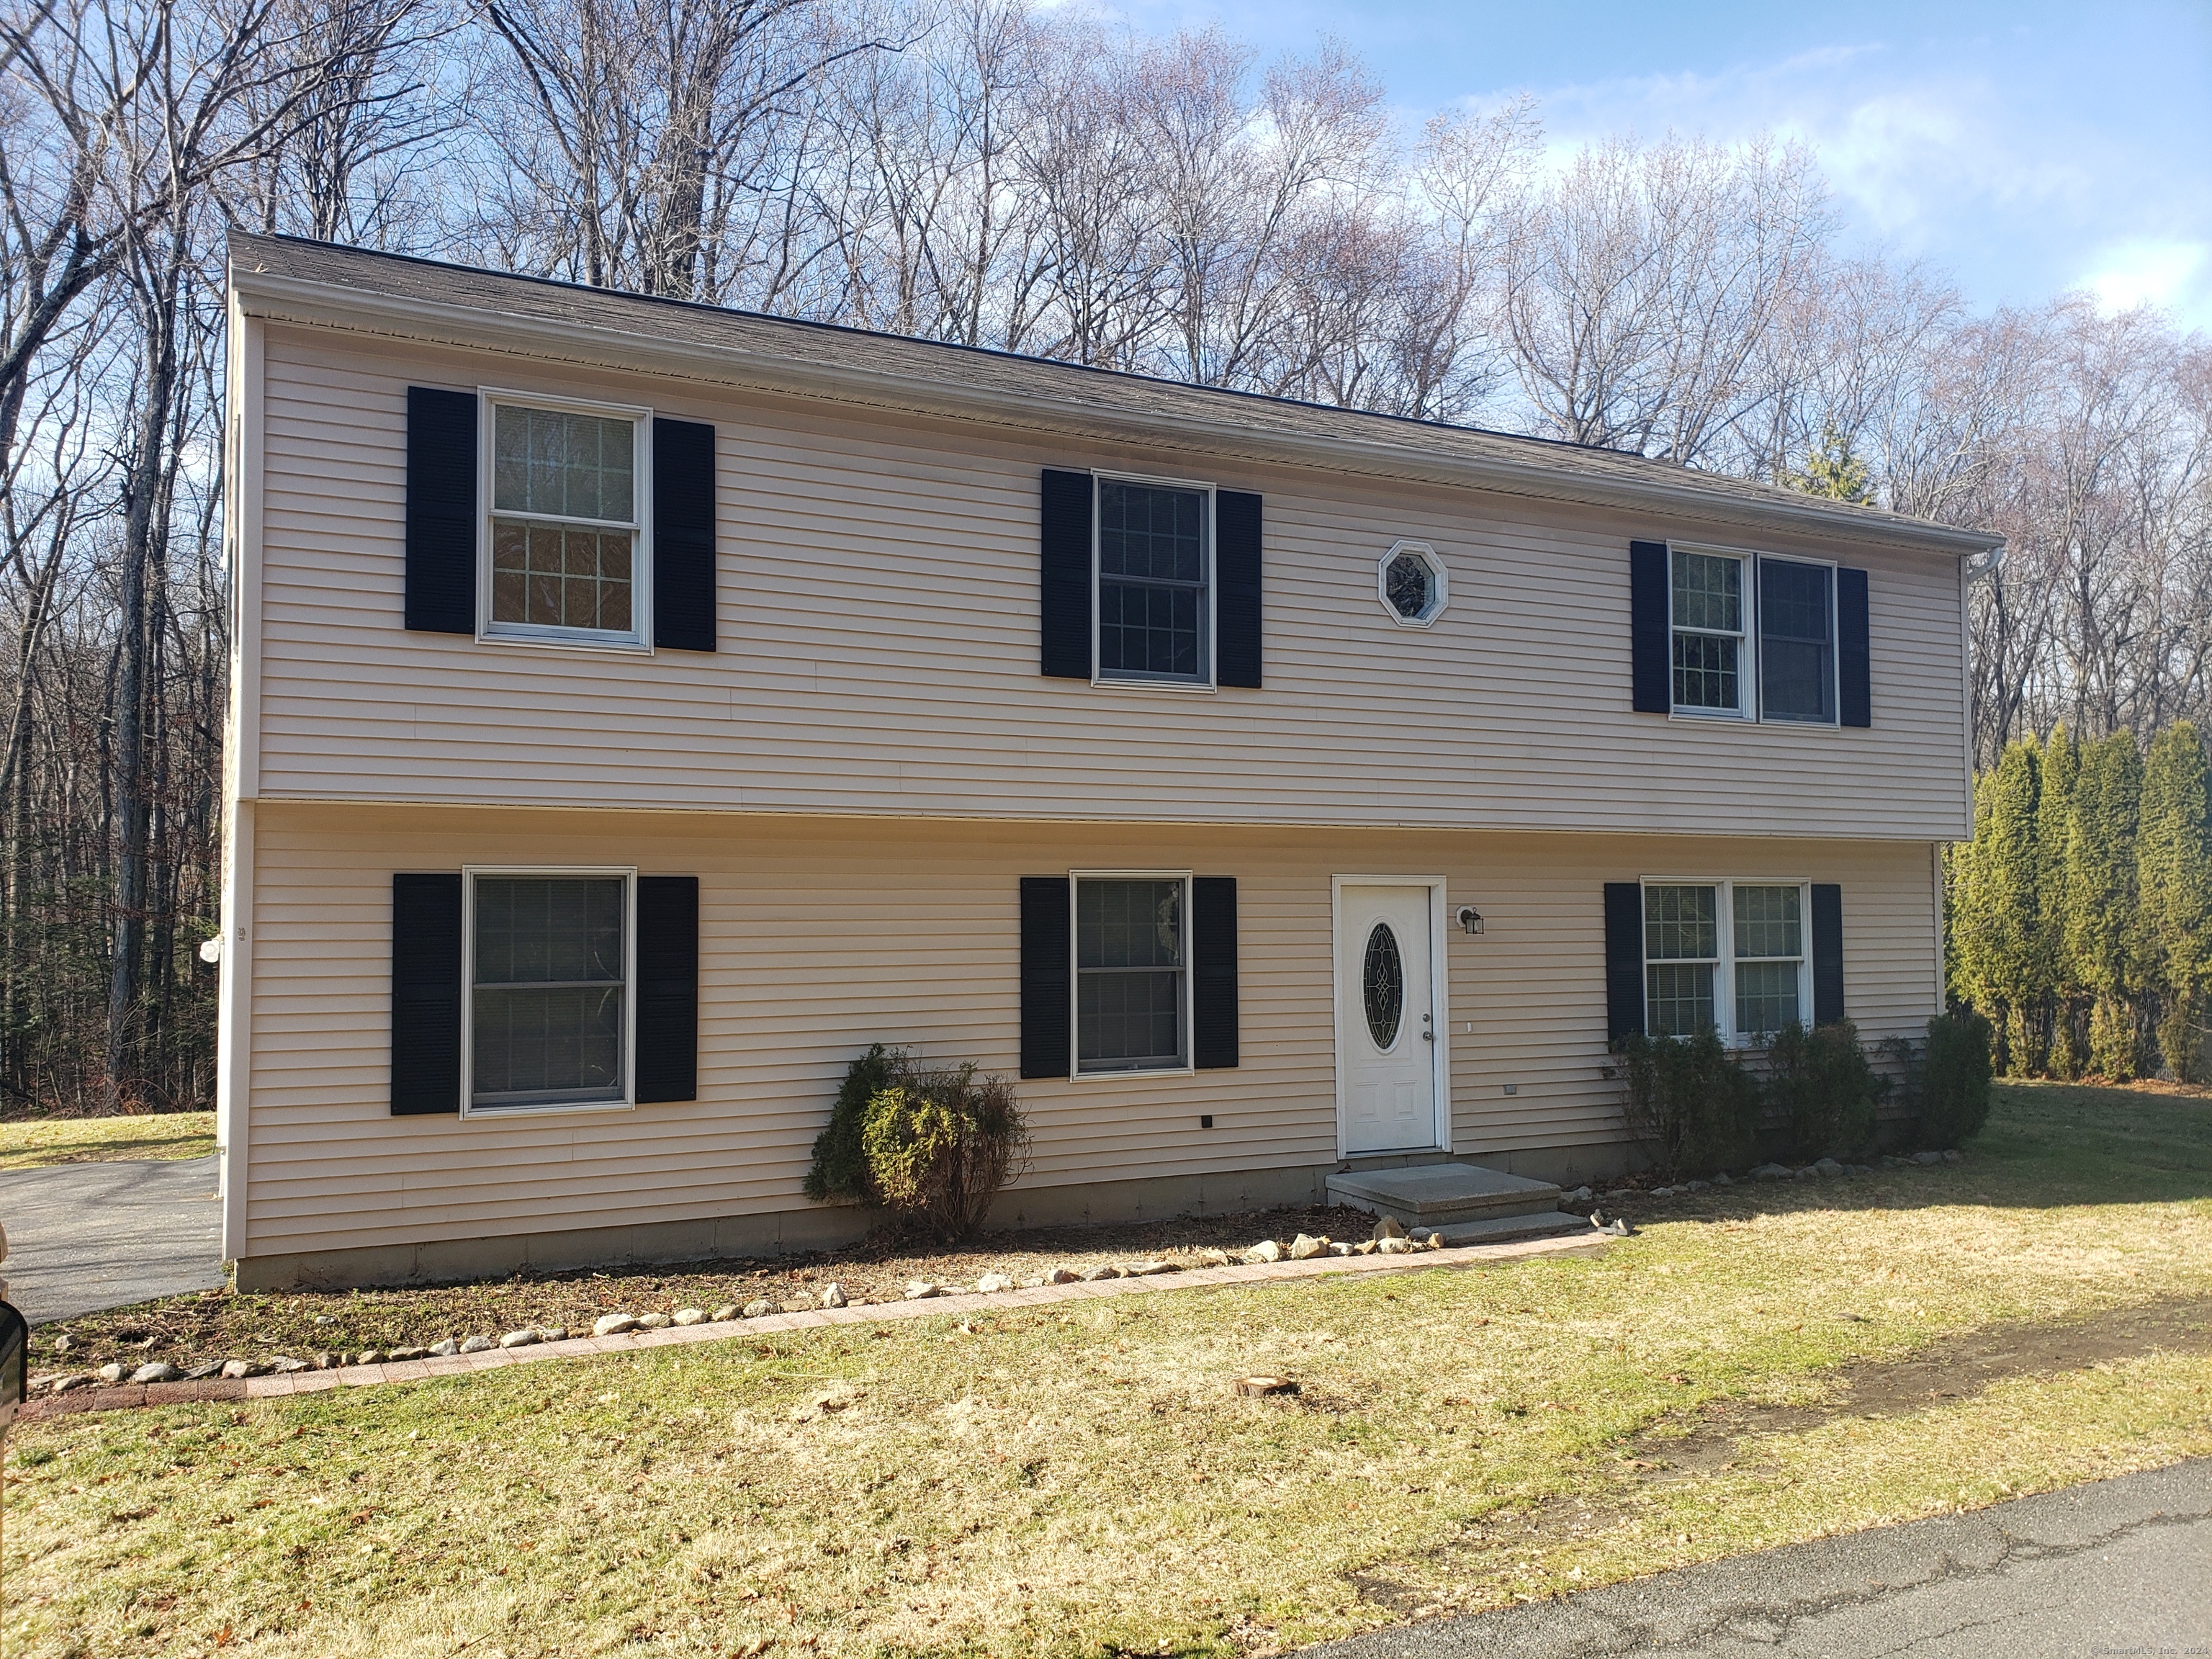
992, 171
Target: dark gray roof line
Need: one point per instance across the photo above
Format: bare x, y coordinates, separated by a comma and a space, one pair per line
293, 278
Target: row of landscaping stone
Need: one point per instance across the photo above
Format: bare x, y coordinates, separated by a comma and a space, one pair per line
1389, 1238
654, 1331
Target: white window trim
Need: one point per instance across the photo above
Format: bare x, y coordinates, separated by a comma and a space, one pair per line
1835, 642
639, 640
1123, 1073
469, 874
1750, 707
1440, 596
1724, 967
1746, 661
1099, 678
1440, 1008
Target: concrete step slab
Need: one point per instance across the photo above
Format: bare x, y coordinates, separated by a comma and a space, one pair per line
1501, 1229
1441, 1194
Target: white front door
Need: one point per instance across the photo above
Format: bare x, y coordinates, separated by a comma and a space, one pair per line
1386, 1033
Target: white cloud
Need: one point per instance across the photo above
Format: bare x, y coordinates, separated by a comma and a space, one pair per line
1946, 156
2169, 275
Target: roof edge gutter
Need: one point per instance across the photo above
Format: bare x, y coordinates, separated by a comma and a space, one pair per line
278, 298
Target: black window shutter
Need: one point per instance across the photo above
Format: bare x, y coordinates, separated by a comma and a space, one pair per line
1237, 564
1047, 1012
441, 511
1214, 965
1827, 952
1063, 616
1854, 650
683, 536
667, 989
1651, 650
1624, 959
426, 994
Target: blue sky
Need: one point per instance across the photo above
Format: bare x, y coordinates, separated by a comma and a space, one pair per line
2025, 147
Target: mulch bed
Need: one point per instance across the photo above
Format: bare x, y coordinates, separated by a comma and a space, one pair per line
214, 1325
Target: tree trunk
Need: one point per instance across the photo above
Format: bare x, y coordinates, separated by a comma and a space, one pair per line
142, 499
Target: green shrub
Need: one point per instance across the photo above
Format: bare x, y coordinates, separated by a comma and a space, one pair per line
2112, 1040
1947, 1083
841, 1169
2181, 1043
1689, 1103
938, 1145
1821, 1089
1954, 1083
931, 1146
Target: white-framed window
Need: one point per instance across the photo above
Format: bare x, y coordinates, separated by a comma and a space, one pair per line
1796, 641
1752, 637
1131, 945
549, 957
567, 488
1412, 584
1709, 596
1151, 573
1733, 955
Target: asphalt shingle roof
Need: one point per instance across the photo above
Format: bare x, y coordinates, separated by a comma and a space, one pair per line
925, 373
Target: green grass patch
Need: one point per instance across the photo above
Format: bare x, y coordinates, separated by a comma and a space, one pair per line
32, 1142
1082, 1480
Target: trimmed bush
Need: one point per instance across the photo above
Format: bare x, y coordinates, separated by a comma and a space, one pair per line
939, 1145
1821, 1090
933, 1147
1689, 1103
1950, 1087
841, 1169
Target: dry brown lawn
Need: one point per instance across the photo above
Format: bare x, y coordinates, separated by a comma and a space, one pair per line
1792, 1361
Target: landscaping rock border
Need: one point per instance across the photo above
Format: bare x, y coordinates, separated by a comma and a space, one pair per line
635, 1337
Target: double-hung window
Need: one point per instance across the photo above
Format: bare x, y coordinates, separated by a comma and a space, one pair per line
1708, 598
1154, 582
1730, 955
1752, 638
1132, 984
570, 543
1796, 641
550, 963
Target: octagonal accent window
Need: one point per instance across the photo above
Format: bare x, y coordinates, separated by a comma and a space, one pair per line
1411, 581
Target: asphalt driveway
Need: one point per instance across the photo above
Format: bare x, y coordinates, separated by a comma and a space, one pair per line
85, 1236
2121, 1567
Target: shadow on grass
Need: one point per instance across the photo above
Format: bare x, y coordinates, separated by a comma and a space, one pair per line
2047, 1145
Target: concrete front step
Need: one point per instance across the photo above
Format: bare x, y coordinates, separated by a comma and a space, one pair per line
1442, 1194
1501, 1229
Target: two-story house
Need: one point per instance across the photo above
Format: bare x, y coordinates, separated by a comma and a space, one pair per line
640, 708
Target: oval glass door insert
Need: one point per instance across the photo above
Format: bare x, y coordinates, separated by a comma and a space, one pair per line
1383, 986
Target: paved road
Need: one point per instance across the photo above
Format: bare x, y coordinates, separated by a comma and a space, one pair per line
84, 1236
2119, 1567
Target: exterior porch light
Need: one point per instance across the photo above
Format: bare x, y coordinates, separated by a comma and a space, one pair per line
1471, 919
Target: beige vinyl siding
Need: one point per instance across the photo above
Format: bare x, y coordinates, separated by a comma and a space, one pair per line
819, 935
879, 635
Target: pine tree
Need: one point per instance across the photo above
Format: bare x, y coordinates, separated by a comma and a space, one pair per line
2173, 855
1832, 471
2104, 917
1998, 906
2065, 1016
1965, 883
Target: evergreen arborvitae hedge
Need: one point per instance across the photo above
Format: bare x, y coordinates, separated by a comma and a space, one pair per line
2104, 916
2066, 1022
2173, 858
2079, 916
